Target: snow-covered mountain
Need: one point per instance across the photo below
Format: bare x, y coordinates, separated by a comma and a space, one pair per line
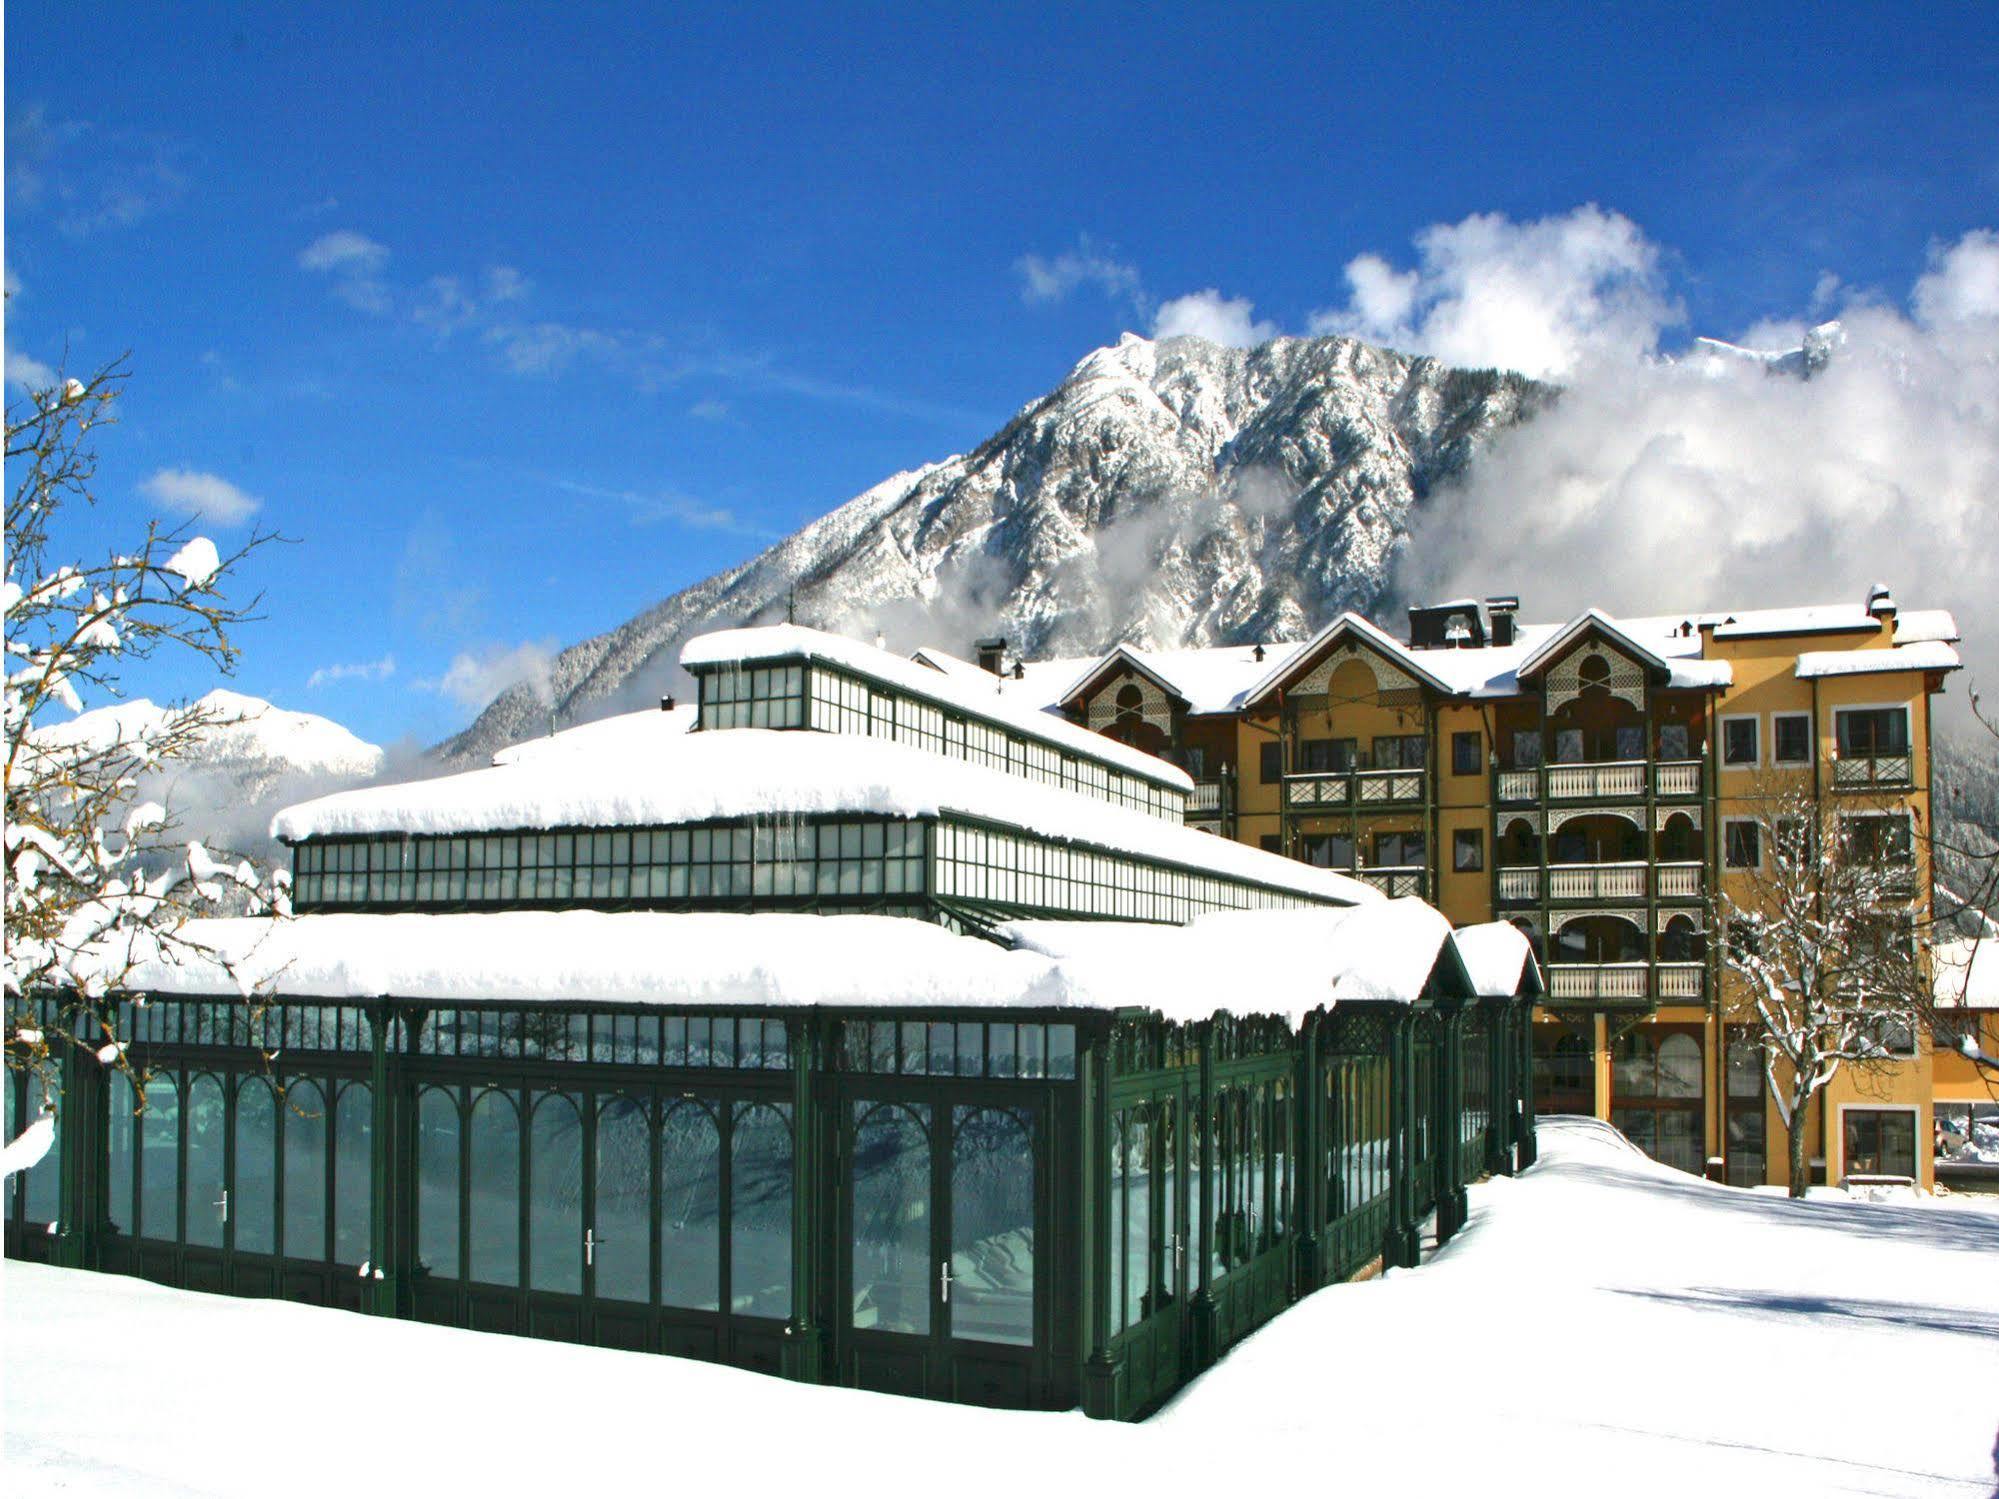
251, 759
1717, 356
1167, 493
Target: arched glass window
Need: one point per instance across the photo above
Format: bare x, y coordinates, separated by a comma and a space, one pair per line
690, 1200
493, 1225
305, 1172
438, 1140
1137, 1277
992, 1227
890, 1289
622, 1228
254, 1203
760, 1211
555, 1196
207, 1161
159, 1161
353, 1173
1679, 1066
124, 1151
1634, 1066
1745, 1069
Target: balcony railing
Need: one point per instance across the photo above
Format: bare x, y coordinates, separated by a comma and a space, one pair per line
1609, 780
1315, 790
1677, 983
1597, 882
1395, 881
1206, 798
1873, 772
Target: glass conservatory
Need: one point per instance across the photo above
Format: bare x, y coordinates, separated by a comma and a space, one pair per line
859, 1062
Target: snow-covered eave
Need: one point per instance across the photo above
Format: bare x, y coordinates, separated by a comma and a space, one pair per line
1120, 655
1349, 623
1549, 650
1926, 656
773, 644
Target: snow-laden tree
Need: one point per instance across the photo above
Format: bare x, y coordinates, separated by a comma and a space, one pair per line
1826, 943
96, 877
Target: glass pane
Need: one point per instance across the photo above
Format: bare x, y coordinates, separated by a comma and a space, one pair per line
1166, 1157
159, 1163
760, 1212
555, 1196
992, 1227
437, 1146
1119, 1121
305, 1172
42, 1186
353, 1173
690, 1194
1138, 1215
124, 1148
890, 1290
493, 1226
1679, 1066
254, 1200
622, 1230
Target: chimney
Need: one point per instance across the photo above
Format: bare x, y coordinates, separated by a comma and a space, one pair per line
1880, 602
992, 654
1258, 653
666, 703
1501, 610
1020, 671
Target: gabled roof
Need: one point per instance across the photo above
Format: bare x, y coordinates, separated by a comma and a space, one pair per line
1549, 650
1377, 640
1120, 656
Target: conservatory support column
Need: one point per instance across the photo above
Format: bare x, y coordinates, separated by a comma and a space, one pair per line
1402, 1244
1309, 1207
1525, 1147
1201, 1308
84, 1167
385, 1279
1498, 1016
1600, 1074
1103, 1370
803, 1356
1453, 1202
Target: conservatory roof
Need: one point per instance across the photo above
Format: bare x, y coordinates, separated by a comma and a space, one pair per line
786, 958
950, 689
726, 774
1499, 959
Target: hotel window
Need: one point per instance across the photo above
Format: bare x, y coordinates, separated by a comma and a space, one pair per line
1878, 837
1880, 1142
1742, 843
1674, 742
1465, 757
1467, 850
1568, 746
1398, 850
1399, 752
1739, 746
1325, 754
1872, 731
1791, 738
1270, 762
1328, 850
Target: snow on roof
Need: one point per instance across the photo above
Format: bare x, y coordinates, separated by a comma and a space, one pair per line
1809, 619
1384, 951
1967, 973
1210, 679
1416, 663
733, 773
622, 734
1914, 626
951, 689
1498, 957
1590, 619
1929, 655
1380, 952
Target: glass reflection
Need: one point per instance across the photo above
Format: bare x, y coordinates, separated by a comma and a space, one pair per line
890, 1289
437, 1145
622, 1231
493, 1224
159, 1161
253, 1203
760, 1212
305, 1172
353, 1163
992, 1227
555, 1196
690, 1221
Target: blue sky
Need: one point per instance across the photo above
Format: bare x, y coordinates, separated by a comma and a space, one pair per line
518, 319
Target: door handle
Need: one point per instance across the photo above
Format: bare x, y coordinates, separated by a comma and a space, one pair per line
1178, 1249
223, 1203
944, 1281
590, 1243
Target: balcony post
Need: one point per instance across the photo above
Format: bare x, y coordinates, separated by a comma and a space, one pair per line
1498, 1086
1649, 841
1401, 1243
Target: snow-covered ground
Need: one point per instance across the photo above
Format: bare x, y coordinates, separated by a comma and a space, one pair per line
1604, 1326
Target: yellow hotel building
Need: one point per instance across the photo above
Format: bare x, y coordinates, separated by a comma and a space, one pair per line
1590, 781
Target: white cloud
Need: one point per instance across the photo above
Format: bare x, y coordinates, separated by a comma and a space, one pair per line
1962, 283
548, 348
475, 678
353, 671
1230, 321
1045, 279
208, 497
1761, 489
709, 411
1544, 298
27, 372
345, 250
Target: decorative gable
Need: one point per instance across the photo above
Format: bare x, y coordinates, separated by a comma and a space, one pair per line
1594, 664
1116, 698
1387, 677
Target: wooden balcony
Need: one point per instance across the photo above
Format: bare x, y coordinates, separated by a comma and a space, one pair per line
1873, 772
1571, 883
1205, 799
1627, 983
1342, 790
1599, 781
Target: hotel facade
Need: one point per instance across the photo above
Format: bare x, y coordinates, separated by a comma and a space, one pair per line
1598, 783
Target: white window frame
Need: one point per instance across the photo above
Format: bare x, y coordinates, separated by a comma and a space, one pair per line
1811, 748
1755, 721
1870, 1106
1761, 851
1906, 707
